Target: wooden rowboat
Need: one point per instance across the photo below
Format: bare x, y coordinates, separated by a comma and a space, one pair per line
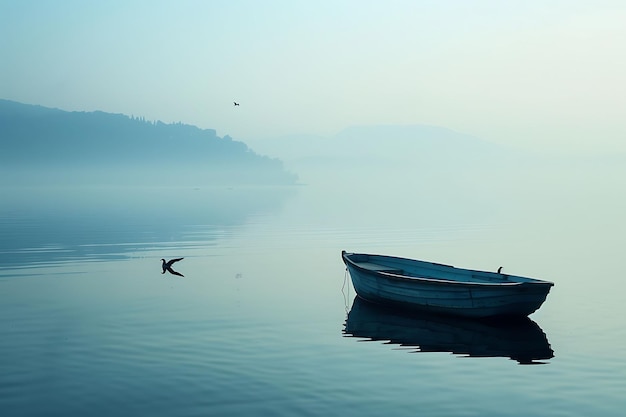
443, 289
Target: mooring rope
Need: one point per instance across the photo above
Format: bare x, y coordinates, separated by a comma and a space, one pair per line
346, 297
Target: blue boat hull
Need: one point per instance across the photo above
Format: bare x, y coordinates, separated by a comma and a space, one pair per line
397, 282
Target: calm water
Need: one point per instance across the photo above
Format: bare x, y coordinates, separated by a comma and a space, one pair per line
263, 323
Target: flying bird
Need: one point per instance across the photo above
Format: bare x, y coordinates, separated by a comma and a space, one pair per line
167, 266
235, 103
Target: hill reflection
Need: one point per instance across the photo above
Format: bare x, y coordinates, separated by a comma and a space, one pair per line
40, 226
521, 339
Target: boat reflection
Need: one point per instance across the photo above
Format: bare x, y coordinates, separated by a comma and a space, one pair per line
520, 339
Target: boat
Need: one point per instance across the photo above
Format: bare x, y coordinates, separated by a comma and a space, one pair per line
443, 289
520, 339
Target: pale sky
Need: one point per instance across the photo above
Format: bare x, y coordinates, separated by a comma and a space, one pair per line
539, 74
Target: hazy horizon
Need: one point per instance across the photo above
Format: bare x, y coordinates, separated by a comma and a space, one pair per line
480, 134
540, 76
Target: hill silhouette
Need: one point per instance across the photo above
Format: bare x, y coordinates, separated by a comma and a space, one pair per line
41, 144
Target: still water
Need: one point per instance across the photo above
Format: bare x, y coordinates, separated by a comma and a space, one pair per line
265, 322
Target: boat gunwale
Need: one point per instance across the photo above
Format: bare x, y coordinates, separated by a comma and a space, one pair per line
443, 281
391, 275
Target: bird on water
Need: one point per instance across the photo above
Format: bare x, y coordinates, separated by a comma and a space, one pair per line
500, 270
167, 266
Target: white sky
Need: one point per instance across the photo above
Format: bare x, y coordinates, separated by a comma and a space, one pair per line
545, 75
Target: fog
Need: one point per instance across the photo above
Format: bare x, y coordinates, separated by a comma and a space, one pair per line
558, 209
534, 74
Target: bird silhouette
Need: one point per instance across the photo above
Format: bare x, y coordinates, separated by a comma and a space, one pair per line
235, 103
167, 266
500, 270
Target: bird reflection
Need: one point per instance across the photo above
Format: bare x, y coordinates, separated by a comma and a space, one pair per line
167, 266
520, 339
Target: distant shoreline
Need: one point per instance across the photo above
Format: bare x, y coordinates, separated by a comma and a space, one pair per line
43, 145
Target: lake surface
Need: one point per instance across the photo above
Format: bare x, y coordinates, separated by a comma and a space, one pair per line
264, 321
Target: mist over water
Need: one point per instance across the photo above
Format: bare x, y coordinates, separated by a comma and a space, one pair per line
426, 128
263, 321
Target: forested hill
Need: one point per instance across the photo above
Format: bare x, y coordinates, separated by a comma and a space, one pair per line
43, 143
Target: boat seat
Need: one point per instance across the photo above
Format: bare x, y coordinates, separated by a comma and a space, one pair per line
379, 268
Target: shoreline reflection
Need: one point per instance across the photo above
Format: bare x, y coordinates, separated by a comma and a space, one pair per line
520, 339
40, 227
